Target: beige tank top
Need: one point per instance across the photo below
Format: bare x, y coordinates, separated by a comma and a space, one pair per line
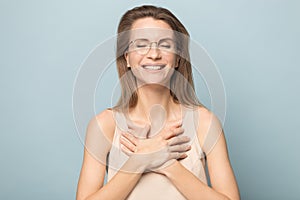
152, 185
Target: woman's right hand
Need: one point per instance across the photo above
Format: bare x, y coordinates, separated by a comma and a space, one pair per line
156, 151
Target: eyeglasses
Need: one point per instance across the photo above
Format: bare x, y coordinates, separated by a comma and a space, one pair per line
142, 46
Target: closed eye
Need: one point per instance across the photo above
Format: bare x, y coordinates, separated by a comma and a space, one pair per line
165, 46
141, 46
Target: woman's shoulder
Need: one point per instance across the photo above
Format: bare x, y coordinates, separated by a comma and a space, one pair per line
103, 122
209, 126
204, 113
105, 116
99, 135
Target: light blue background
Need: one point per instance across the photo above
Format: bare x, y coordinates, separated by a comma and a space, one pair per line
255, 45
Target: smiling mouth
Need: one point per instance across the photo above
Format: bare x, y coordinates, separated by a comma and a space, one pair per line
153, 67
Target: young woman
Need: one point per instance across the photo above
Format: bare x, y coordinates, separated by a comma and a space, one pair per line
156, 141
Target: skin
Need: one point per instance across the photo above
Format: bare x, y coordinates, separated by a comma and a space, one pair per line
90, 185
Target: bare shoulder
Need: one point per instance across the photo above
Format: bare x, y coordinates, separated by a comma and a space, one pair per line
209, 126
206, 117
107, 123
102, 124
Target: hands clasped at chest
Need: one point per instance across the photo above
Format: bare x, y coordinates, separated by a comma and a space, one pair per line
158, 151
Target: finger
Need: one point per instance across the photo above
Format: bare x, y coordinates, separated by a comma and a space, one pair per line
126, 150
176, 124
182, 157
127, 144
130, 138
178, 140
180, 148
174, 132
177, 155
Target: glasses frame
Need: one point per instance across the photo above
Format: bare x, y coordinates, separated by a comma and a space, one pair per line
145, 50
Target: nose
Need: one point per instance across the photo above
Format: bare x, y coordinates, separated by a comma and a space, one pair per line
154, 52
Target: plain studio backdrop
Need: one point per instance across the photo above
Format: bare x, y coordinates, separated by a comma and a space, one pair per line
255, 45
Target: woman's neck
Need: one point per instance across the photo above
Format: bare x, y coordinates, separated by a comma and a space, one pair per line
155, 100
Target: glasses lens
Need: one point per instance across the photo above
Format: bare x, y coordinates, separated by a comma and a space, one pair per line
166, 45
141, 46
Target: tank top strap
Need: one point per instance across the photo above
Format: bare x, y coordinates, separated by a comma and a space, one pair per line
190, 125
120, 120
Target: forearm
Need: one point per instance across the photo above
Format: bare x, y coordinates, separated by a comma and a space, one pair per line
121, 184
189, 185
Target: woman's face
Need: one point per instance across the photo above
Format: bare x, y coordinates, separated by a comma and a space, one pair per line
151, 52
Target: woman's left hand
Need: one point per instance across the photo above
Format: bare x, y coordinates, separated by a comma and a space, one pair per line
131, 143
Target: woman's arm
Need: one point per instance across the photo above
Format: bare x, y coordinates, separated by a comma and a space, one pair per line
223, 182
91, 182
97, 145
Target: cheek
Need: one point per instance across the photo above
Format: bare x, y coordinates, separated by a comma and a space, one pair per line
172, 61
133, 60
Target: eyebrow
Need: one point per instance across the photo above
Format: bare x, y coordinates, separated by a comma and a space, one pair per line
162, 39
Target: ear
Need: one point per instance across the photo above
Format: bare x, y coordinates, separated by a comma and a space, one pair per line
126, 56
177, 60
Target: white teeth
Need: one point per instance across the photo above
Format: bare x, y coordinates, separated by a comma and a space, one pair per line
153, 67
